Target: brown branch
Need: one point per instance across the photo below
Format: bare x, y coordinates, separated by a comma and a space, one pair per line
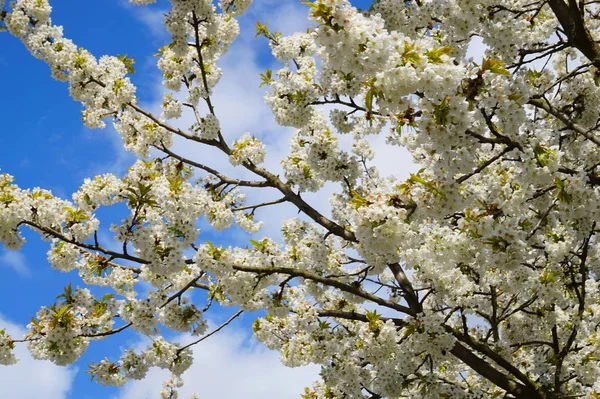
357, 316
339, 101
179, 293
546, 106
498, 359
214, 172
352, 289
216, 330
487, 163
573, 24
107, 333
94, 247
198, 46
490, 373
302, 205
170, 128
411, 297
263, 204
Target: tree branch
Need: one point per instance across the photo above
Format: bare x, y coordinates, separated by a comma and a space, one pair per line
216, 330
546, 106
357, 316
352, 289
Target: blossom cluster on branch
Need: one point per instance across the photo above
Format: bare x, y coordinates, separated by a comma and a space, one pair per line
485, 263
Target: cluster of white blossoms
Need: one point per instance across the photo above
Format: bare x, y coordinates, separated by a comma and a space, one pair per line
135, 366
246, 222
40, 208
475, 277
7, 357
247, 149
172, 108
183, 317
208, 128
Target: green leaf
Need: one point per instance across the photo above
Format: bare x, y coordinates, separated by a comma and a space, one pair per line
75, 216
214, 252
357, 200
256, 325
324, 325
128, 62
441, 112
369, 100
374, 322
63, 310
260, 246
409, 330
542, 154
494, 66
177, 233
533, 75
67, 294
163, 251
100, 308
323, 12
409, 55
435, 54
62, 317
310, 4
373, 316
162, 50
175, 183
547, 277
266, 78
80, 59
216, 292
140, 195
372, 93
431, 186
100, 267
562, 195
262, 30
6, 198
117, 86
306, 172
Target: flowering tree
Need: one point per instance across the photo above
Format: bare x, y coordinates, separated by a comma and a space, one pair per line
485, 263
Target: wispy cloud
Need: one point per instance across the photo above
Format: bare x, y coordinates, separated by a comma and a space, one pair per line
228, 366
15, 261
151, 16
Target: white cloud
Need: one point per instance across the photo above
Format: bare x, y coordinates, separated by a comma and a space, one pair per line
151, 17
153, 21
286, 17
16, 261
30, 378
226, 366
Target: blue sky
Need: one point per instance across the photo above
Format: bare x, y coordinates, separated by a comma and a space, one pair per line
44, 144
